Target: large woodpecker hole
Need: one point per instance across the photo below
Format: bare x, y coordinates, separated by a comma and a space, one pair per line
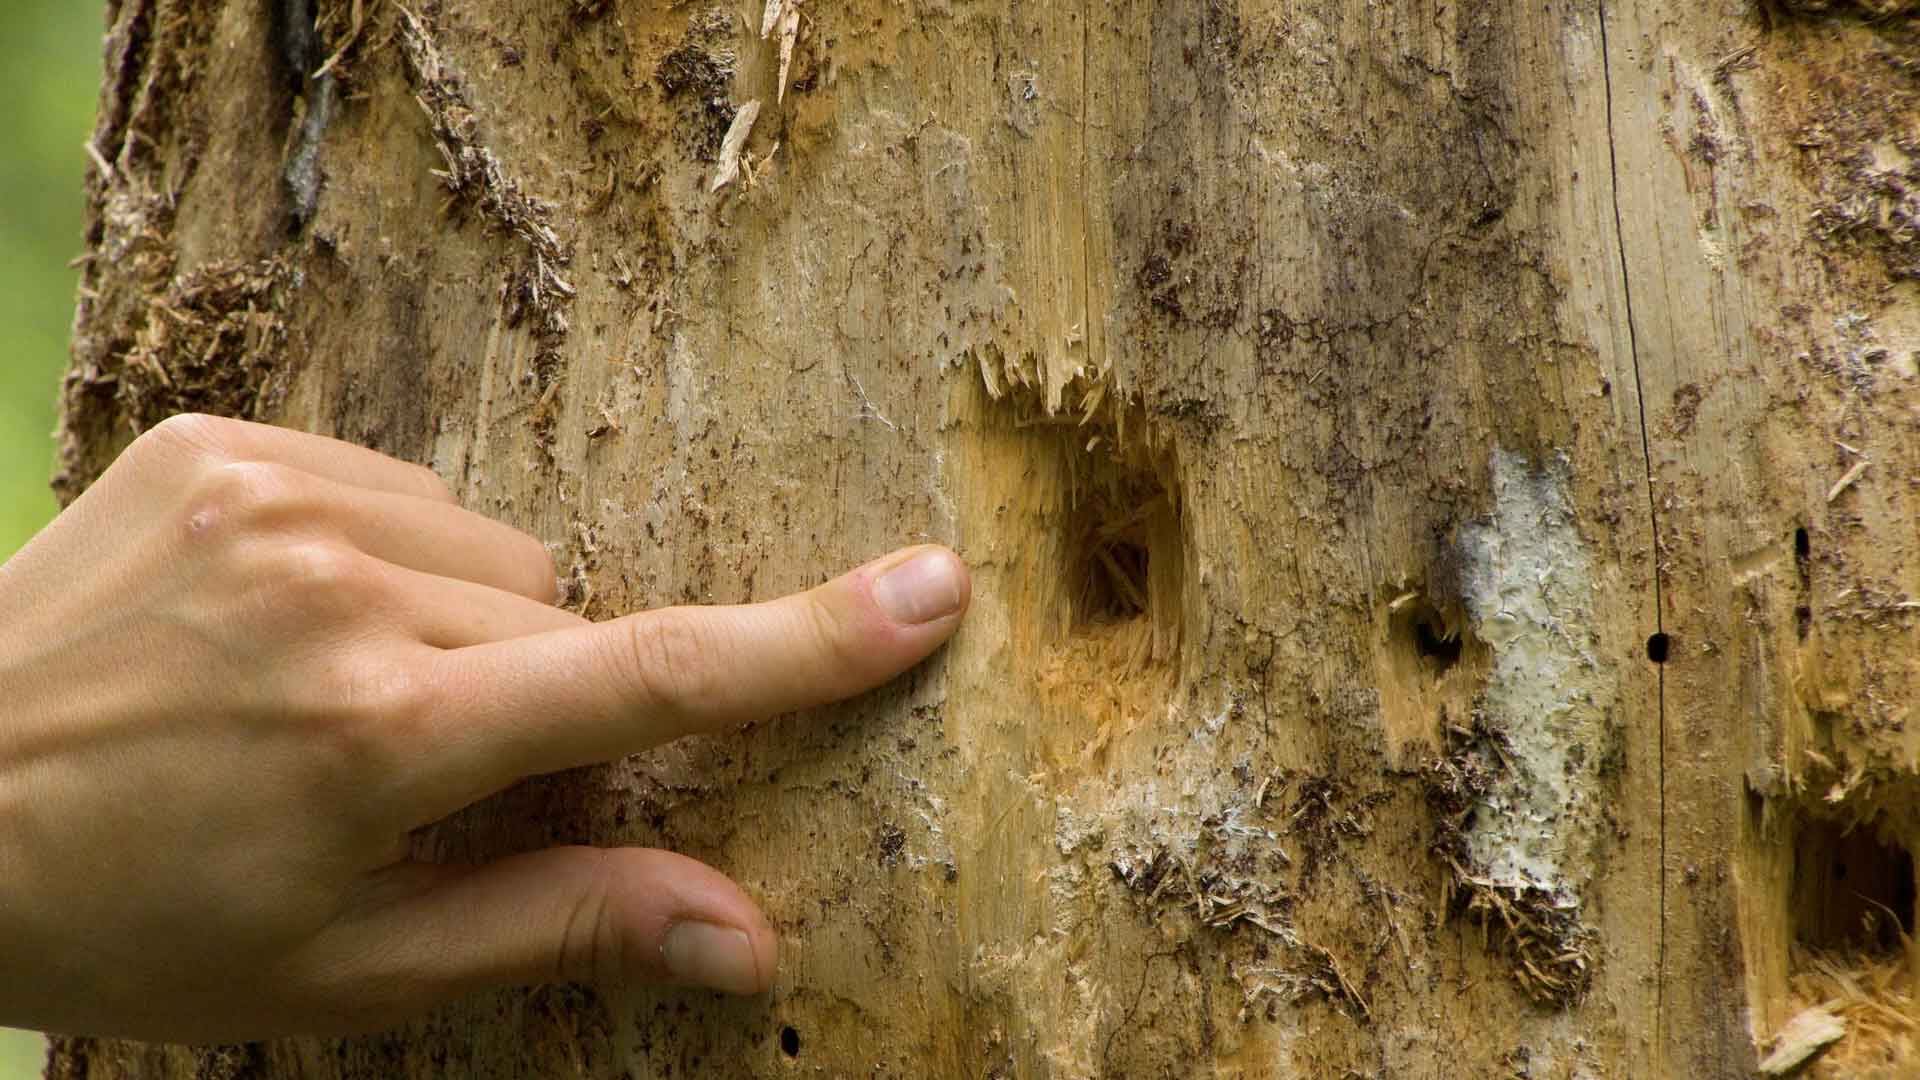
1124, 552
1114, 580
1852, 892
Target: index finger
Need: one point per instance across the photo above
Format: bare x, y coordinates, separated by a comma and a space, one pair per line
573, 697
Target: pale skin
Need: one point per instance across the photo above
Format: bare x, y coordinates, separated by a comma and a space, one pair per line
239, 670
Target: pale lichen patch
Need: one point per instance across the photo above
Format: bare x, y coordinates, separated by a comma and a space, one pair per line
1529, 592
1519, 798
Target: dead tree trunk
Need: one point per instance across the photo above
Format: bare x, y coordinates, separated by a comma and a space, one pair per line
1443, 482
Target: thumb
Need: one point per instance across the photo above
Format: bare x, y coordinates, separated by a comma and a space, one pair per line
615, 917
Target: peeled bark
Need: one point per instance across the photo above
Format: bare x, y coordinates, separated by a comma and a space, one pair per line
1441, 479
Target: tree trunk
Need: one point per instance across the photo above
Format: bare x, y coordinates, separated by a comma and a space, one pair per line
1442, 480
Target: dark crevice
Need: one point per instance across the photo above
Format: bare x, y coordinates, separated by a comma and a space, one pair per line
1086, 212
129, 48
1115, 585
313, 100
299, 43
1123, 554
1802, 562
1442, 650
1852, 891
1653, 512
1429, 634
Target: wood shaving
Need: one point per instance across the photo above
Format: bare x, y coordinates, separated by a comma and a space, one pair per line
1847, 479
357, 23
1871, 996
789, 33
213, 341
730, 147
1808, 1033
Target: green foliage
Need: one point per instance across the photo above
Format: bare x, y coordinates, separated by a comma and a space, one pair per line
50, 81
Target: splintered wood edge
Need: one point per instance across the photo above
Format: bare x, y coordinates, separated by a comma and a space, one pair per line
1808, 1033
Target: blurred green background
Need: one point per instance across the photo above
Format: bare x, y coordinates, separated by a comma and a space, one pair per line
49, 80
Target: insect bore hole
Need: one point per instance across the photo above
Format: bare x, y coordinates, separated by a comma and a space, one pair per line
790, 1041
1657, 647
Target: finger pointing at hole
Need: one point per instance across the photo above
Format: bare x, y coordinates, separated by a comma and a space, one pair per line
557, 700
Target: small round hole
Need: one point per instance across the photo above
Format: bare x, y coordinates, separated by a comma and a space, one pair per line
1657, 647
1802, 545
790, 1041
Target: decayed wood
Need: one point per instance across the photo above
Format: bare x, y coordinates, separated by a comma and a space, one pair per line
1340, 403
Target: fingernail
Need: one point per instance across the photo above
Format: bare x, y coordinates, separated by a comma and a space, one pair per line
717, 957
920, 590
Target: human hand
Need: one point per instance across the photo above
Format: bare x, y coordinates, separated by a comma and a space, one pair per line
248, 661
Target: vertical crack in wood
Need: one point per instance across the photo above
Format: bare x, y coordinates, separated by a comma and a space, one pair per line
1653, 513
1097, 361
301, 49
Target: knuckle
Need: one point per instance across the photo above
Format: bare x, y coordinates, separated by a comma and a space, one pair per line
194, 433
590, 941
238, 496
403, 703
386, 696
313, 585
319, 570
430, 485
367, 711
671, 659
835, 641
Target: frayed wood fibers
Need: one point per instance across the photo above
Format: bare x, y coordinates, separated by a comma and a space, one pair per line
1874, 996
